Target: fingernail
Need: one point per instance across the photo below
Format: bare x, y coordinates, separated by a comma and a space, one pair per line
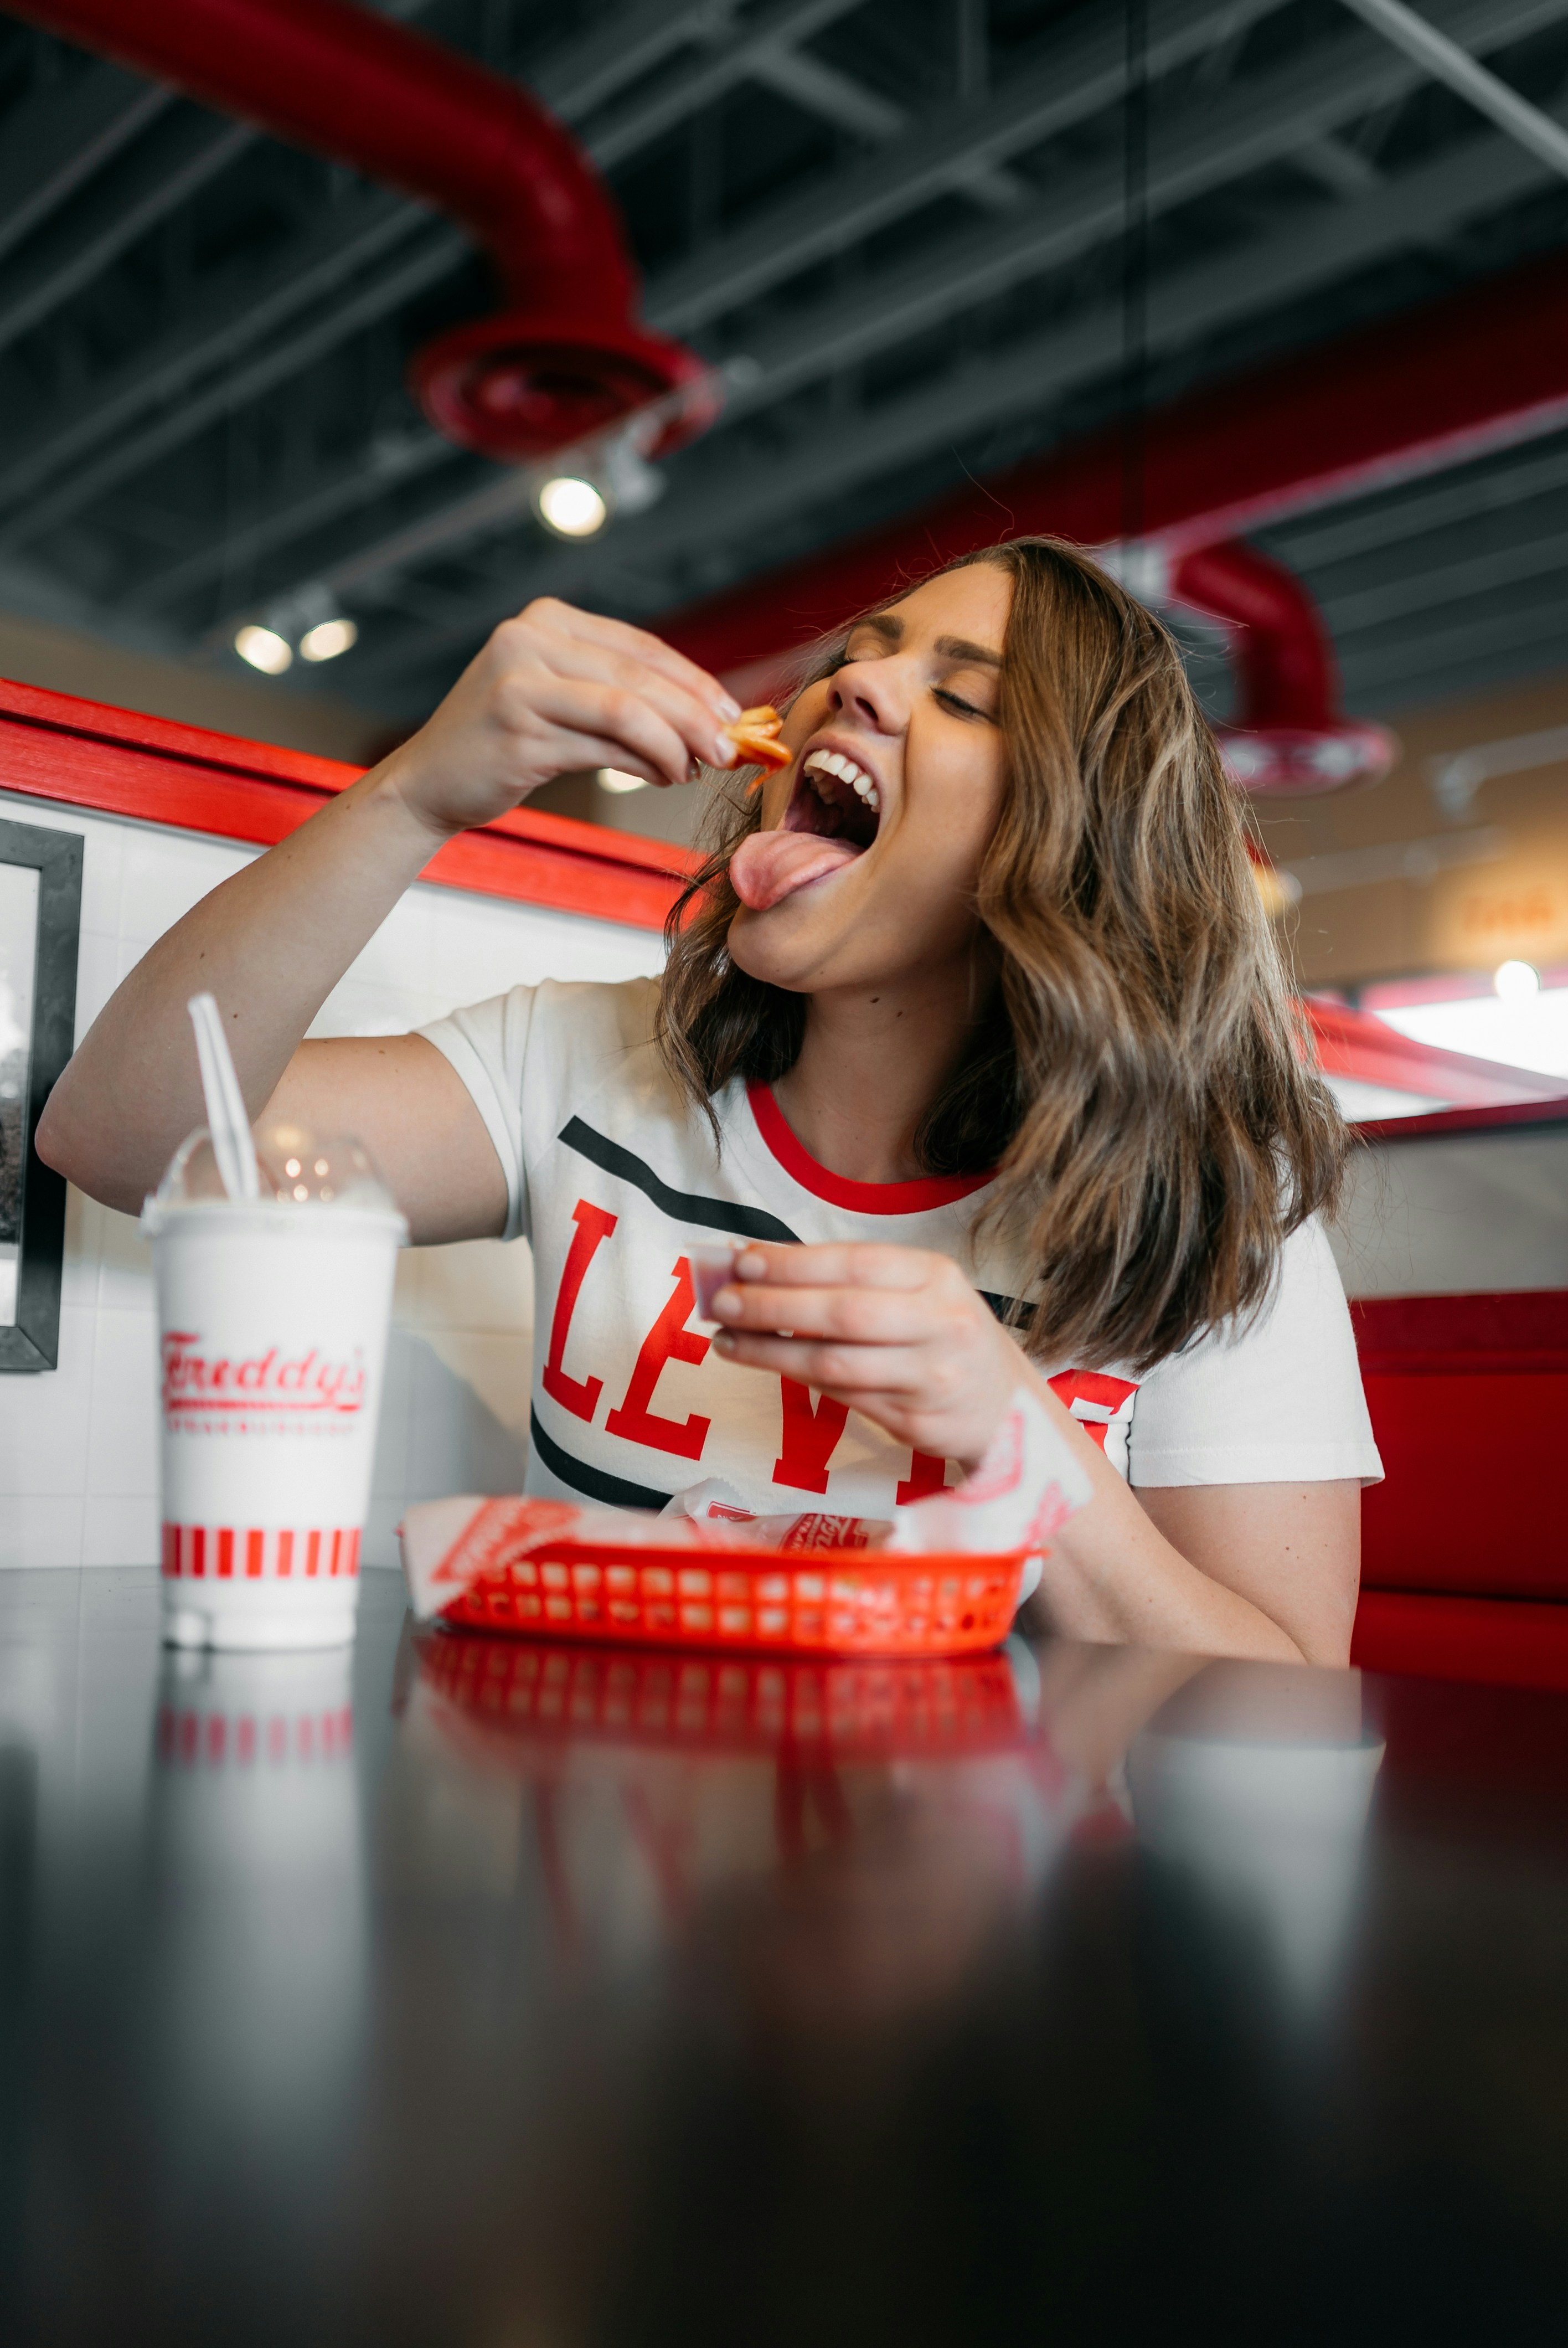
749, 1265
727, 708
725, 1342
726, 1305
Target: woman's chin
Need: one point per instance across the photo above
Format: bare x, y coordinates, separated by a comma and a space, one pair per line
785, 946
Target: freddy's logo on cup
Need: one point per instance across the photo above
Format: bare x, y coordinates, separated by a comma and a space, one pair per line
276, 1382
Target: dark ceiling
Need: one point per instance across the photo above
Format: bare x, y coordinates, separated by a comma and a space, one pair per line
903, 218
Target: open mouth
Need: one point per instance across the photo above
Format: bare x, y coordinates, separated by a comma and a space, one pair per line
832, 816
834, 799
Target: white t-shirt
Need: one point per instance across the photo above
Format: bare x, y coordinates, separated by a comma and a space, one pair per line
613, 1177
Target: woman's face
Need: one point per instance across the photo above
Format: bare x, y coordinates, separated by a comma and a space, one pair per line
911, 722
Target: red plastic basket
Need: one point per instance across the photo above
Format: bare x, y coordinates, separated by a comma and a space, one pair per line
825, 1601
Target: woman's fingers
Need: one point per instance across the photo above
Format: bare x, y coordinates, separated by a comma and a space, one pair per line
862, 1264
866, 1316
838, 1369
630, 730
634, 644
582, 662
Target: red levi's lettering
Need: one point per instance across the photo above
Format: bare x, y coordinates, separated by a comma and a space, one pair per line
1104, 1397
579, 1395
669, 1339
925, 1475
810, 1436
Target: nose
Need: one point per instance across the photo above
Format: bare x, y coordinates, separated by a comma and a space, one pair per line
874, 692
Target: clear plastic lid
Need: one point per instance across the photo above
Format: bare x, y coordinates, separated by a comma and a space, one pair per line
298, 1168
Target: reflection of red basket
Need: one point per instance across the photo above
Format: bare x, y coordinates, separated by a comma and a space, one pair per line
848, 1711
762, 1601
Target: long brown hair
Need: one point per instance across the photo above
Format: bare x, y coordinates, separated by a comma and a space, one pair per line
1141, 1082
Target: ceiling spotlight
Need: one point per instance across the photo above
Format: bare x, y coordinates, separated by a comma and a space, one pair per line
570, 506
327, 639
1516, 982
610, 779
264, 649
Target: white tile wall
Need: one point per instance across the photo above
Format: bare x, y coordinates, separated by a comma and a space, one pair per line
78, 1470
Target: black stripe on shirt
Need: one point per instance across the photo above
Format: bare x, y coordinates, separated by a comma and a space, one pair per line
684, 1206
1008, 1310
617, 1491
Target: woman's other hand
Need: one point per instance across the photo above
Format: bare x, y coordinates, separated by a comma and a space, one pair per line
553, 691
898, 1332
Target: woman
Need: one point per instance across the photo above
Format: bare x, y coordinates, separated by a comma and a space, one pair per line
976, 1040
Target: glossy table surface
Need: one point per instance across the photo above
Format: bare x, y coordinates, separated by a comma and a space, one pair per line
456, 1990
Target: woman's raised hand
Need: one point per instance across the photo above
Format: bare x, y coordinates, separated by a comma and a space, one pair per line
554, 690
898, 1333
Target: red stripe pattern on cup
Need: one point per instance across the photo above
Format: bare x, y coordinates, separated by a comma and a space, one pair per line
259, 1554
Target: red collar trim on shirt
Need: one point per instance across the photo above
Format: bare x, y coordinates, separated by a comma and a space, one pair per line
860, 1198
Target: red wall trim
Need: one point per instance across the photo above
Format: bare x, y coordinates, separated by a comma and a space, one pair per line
118, 762
1498, 1119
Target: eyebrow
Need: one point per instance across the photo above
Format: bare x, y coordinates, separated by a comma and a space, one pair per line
959, 648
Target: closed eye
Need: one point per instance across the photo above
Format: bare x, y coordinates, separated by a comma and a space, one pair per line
956, 702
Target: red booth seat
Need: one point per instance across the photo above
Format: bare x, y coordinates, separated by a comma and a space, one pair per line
1464, 1568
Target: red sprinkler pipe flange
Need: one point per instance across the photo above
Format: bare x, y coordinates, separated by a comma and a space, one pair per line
569, 357
1289, 735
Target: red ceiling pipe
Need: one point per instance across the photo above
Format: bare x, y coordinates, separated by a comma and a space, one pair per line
1430, 387
1289, 734
570, 358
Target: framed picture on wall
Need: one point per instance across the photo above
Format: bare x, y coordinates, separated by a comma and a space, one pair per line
40, 927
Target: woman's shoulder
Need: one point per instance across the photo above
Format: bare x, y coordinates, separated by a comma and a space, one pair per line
596, 1015
1274, 1396
1304, 1305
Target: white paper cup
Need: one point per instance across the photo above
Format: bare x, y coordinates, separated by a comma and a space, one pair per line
272, 1324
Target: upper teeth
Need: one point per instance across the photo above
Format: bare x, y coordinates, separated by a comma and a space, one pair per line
834, 762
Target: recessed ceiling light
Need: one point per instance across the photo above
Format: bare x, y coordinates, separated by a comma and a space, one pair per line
327, 639
264, 649
570, 506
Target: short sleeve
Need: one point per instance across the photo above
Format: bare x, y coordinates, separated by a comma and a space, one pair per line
1277, 1402
488, 1046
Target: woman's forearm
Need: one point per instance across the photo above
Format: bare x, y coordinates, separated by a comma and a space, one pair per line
1112, 1577
553, 690
270, 944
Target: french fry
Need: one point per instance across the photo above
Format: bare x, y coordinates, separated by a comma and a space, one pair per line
755, 735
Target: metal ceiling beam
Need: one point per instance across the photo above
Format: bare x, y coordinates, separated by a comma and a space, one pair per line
1429, 589
1447, 62
1082, 75
357, 233
1075, 350
174, 160
578, 78
57, 138
837, 98
141, 189
414, 274
1421, 510
386, 467
734, 60
1246, 125
747, 496
1442, 656
1247, 128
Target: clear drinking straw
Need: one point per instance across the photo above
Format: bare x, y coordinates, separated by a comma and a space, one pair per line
226, 1119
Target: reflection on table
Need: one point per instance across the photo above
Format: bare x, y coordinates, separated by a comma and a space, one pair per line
469, 1990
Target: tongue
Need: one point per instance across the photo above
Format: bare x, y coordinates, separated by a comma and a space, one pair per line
771, 865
